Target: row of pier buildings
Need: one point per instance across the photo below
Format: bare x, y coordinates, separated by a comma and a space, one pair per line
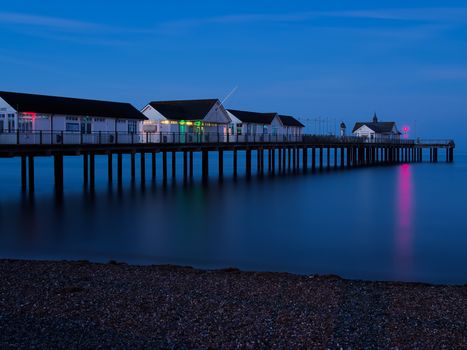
40, 119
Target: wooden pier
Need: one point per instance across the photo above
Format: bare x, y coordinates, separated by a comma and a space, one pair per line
310, 153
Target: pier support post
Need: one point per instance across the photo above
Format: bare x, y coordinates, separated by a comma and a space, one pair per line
31, 173
58, 172
248, 162
133, 167
91, 171
258, 161
273, 160
174, 165
153, 166
342, 157
85, 169
143, 168
313, 158
205, 165
321, 150
294, 159
289, 158
164, 167
305, 159
110, 167
221, 163
284, 160
23, 172
119, 169
191, 164
185, 166
235, 163
335, 157
298, 157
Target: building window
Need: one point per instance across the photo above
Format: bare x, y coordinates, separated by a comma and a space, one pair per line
25, 125
1, 125
11, 122
131, 126
72, 127
239, 129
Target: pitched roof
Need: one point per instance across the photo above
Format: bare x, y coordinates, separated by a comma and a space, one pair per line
253, 117
184, 109
22, 102
378, 127
288, 120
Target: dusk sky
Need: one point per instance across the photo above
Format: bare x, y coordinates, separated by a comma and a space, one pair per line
342, 60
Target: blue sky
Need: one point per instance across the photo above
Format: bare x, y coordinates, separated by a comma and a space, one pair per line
342, 60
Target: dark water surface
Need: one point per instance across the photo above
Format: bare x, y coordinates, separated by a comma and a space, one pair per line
406, 222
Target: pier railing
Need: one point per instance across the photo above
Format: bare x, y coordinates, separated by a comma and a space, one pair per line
103, 137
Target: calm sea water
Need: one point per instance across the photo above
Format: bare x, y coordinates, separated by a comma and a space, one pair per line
406, 222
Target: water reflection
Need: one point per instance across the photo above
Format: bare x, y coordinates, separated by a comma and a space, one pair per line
404, 222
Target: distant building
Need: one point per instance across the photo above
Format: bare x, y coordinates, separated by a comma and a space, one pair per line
343, 129
53, 119
291, 126
259, 126
247, 125
376, 130
186, 120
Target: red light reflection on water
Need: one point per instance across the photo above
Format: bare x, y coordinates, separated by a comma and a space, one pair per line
404, 223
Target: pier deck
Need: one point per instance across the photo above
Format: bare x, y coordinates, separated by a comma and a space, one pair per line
306, 152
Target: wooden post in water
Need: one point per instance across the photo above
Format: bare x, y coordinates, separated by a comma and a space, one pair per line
258, 161
284, 160
342, 157
191, 164
110, 167
85, 169
174, 165
289, 158
185, 166
164, 167
31, 173
133, 166
335, 157
119, 169
221, 163
248, 162
92, 172
305, 159
328, 157
279, 159
153, 166
235, 163
273, 160
294, 159
23, 172
143, 168
205, 165
321, 158
58, 172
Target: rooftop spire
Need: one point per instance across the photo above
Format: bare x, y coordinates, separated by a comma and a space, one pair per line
375, 118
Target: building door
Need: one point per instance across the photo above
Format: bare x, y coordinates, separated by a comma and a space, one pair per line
86, 125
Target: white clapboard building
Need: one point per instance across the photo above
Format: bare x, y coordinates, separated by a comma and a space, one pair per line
31, 118
186, 121
376, 130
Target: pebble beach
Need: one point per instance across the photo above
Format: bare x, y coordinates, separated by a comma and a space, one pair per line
83, 305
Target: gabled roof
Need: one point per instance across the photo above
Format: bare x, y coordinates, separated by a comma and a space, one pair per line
184, 109
22, 102
253, 117
288, 120
379, 127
